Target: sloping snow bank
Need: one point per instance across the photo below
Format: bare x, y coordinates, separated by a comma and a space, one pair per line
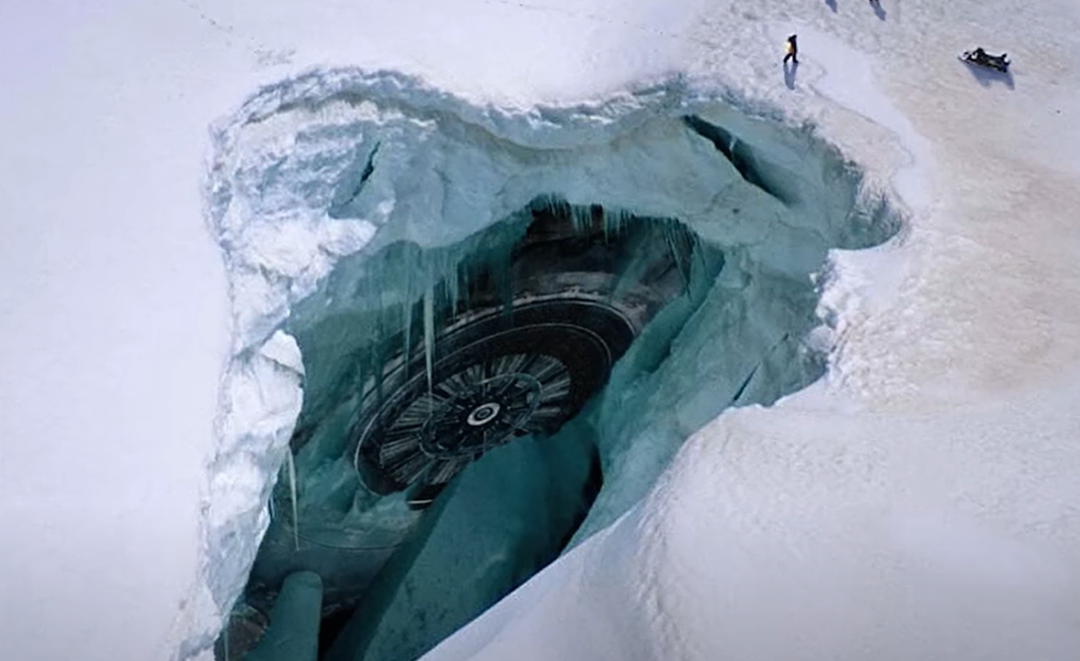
809, 538
334, 162
920, 501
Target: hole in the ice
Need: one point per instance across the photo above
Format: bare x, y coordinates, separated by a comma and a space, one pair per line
472, 411
483, 359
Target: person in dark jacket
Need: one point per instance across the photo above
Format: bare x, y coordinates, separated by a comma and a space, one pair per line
791, 48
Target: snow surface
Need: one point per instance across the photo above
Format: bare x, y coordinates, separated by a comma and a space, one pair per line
921, 501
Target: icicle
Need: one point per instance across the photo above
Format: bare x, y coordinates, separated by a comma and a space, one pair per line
465, 285
504, 279
443, 272
291, 464
458, 284
382, 340
429, 328
582, 219
450, 283
407, 307
406, 313
671, 238
549, 204
614, 222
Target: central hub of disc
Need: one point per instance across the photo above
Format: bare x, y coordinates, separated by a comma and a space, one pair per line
483, 414
498, 378
470, 416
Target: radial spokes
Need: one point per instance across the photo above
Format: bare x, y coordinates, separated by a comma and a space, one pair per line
408, 468
431, 438
443, 470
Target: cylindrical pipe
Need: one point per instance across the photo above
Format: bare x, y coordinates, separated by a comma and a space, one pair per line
293, 634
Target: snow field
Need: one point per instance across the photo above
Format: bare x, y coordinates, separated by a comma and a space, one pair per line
959, 337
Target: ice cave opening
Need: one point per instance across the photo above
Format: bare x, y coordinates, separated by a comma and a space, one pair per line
535, 317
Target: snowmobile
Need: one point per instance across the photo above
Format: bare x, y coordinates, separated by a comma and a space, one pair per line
983, 59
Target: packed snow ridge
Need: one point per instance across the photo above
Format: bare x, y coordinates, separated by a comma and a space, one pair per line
315, 176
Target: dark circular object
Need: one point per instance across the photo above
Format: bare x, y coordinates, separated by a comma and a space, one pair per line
495, 377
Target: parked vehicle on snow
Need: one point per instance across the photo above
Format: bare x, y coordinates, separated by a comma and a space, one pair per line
981, 58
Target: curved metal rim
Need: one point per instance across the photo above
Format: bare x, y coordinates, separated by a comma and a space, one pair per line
419, 379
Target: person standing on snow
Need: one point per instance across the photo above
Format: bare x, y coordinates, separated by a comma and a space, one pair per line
792, 50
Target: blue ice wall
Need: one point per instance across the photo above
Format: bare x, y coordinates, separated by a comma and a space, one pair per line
507, 516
